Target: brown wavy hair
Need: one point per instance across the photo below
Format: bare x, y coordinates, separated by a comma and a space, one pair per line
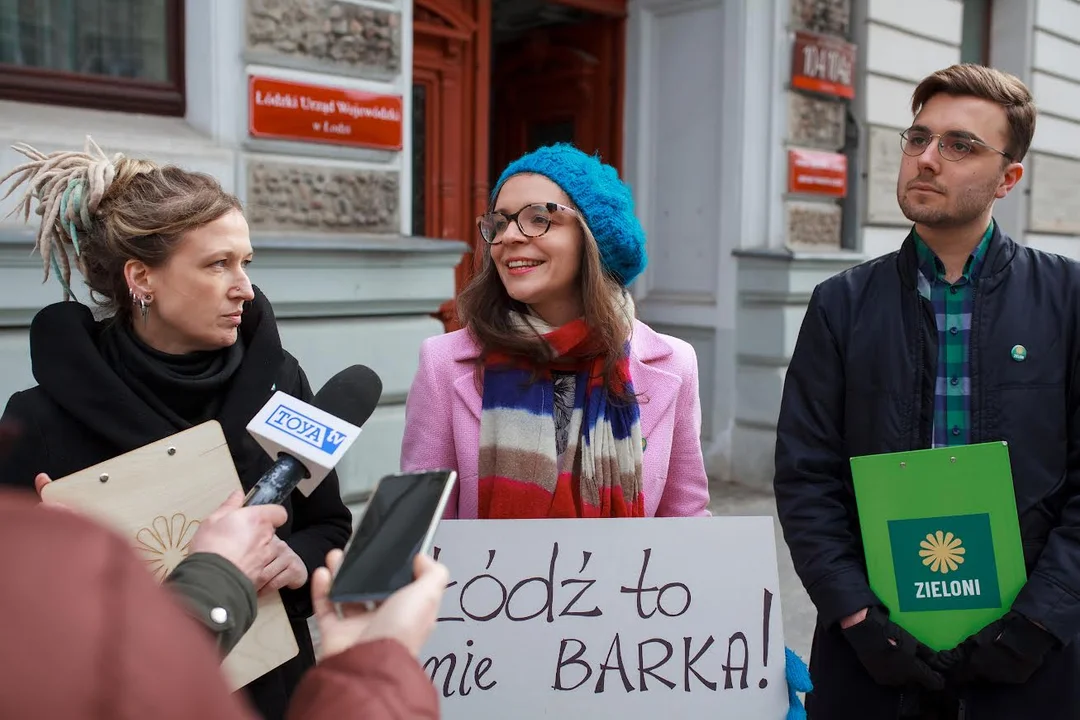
484, 309
101, 212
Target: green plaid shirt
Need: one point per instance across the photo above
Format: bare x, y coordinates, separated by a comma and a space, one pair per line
952, 310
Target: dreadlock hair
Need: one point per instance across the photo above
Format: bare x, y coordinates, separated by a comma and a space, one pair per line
102, 212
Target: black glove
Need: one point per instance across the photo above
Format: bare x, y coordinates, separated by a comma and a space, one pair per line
1008, 650
891, 654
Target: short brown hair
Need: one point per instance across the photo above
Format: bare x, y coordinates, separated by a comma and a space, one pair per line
971, 80
106, 211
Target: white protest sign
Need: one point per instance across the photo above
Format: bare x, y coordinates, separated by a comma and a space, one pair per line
609, 618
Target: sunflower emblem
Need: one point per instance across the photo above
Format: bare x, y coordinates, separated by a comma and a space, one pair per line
942, 551
165, 542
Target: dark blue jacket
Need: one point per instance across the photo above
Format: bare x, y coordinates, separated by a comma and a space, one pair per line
861, 381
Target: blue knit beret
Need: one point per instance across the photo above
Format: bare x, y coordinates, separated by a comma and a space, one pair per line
603, 199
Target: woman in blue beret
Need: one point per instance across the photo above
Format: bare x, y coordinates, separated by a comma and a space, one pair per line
554, 400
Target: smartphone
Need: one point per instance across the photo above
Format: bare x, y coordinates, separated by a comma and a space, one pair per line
398, 522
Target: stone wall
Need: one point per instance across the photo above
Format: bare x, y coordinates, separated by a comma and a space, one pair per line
289, 196
816, 122
314, 188
352, 38
813, 225
831, 17
328, 217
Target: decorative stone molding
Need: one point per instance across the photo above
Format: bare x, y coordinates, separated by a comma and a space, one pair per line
831, 17
815, 122
288, 196
813, 225
354, 275
342, 35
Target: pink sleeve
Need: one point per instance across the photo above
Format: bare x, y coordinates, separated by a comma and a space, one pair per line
428, 443
686, 493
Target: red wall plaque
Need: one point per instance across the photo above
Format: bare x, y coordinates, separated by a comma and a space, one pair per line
284, 110
817, 173
823, 64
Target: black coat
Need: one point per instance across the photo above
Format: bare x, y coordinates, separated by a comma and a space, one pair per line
82, 412
861, 381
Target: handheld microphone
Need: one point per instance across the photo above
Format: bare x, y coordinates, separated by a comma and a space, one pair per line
309, 440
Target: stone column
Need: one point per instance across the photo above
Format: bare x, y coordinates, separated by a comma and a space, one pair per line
773, 291
331, 223
775, 281
326, 188
818, 123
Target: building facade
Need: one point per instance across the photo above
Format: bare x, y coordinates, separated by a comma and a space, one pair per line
897, 45
363, 137
331, 223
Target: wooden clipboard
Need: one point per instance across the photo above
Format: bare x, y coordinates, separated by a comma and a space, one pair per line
157, 495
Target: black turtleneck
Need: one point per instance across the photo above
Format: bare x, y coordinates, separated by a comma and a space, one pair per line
185, 389
101, 393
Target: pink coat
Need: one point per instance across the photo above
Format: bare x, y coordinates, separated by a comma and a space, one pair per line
442, 420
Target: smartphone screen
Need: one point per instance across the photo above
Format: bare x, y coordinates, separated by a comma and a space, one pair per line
399, 521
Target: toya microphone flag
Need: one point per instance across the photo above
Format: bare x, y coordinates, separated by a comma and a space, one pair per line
941, 537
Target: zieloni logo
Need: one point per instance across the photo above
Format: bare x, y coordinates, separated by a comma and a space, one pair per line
944, 563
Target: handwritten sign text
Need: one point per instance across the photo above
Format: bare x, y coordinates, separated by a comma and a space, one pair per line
609, 618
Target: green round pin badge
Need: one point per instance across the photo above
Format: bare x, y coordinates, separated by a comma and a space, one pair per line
1019, 353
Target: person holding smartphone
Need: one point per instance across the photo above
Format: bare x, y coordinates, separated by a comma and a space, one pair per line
90, 635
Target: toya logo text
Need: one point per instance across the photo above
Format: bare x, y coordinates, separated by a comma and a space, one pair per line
944, 563
303, 428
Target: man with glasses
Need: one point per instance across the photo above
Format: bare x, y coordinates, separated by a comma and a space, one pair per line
961, 336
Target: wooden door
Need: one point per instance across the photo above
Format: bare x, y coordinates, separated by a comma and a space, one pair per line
451, 86
561, 83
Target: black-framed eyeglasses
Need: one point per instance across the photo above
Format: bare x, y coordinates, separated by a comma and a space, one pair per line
532, 220
953, 145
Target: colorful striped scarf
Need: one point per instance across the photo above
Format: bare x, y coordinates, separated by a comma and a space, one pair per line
520, 471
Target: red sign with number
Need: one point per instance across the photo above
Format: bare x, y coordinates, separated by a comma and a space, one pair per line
823, 64
284, 110
817, 173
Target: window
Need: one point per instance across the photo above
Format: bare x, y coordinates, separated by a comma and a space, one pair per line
975, 37
108, 54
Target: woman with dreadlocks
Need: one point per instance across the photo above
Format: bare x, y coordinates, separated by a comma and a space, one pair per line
187, 339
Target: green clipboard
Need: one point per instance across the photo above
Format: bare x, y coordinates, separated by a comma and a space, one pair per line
941, 537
